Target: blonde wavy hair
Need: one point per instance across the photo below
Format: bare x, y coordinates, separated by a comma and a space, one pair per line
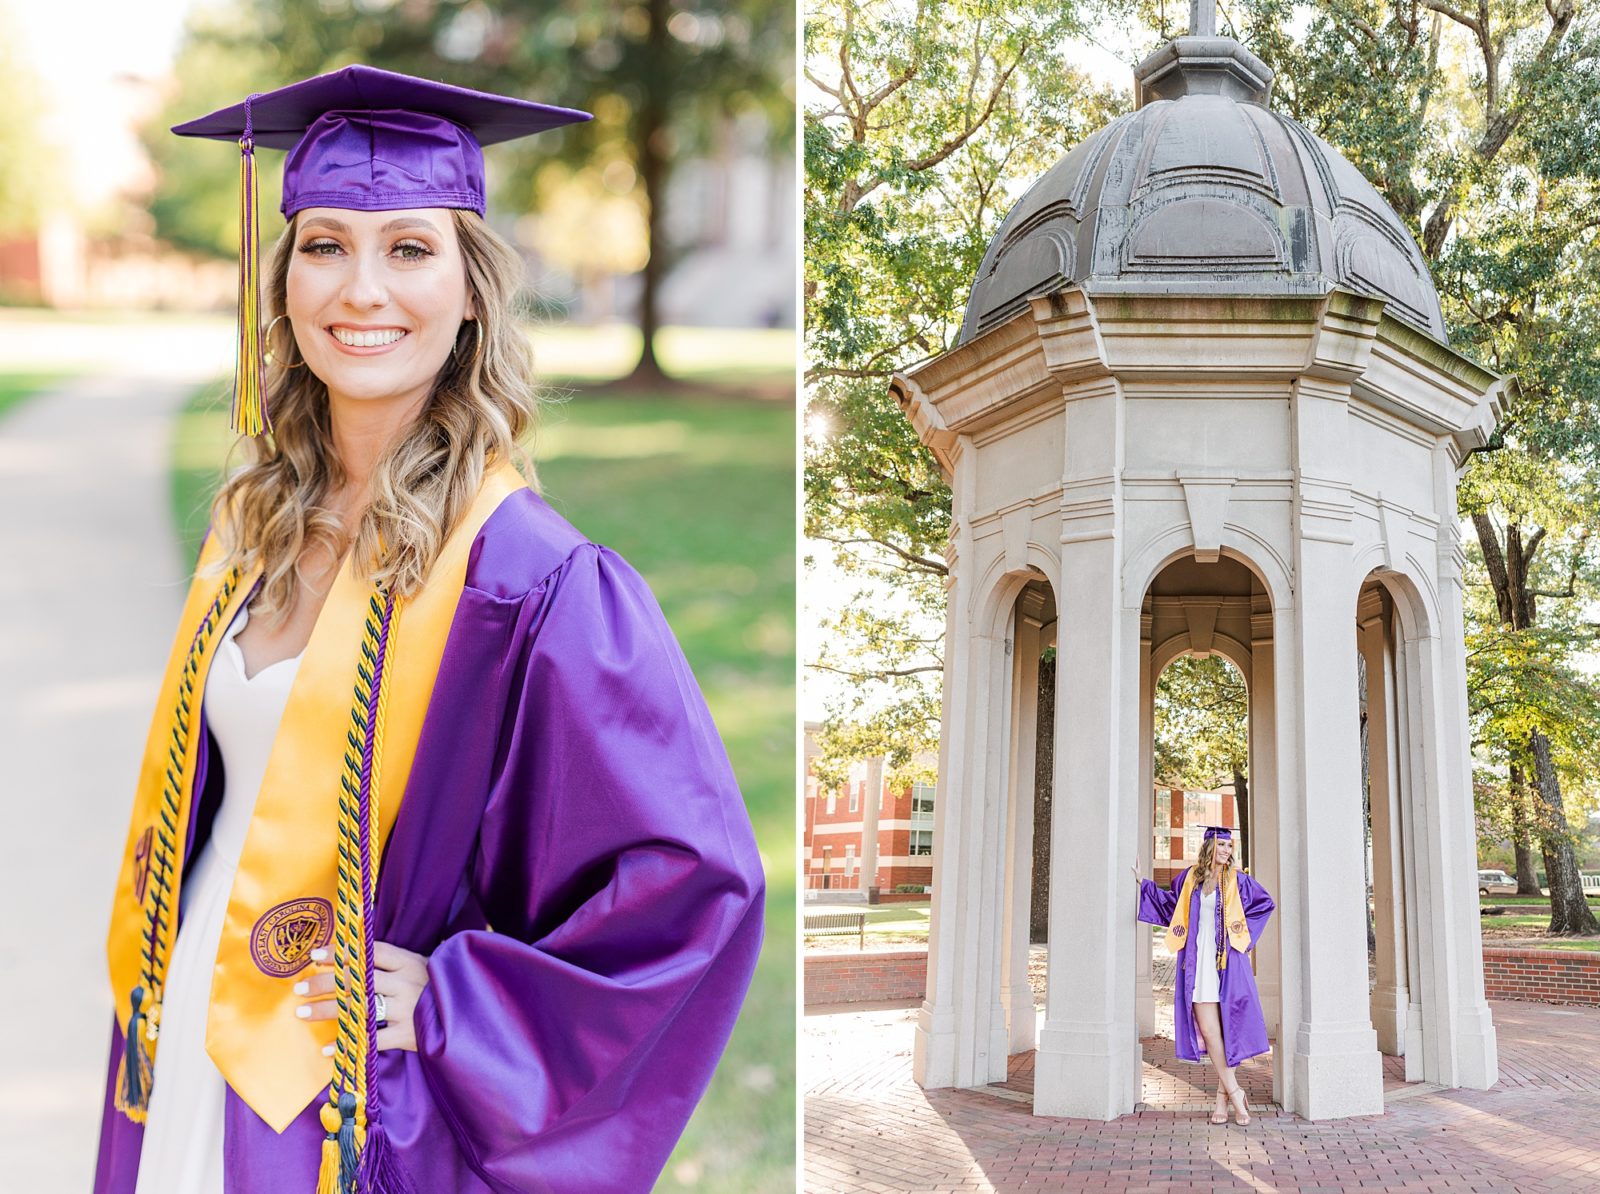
483, 406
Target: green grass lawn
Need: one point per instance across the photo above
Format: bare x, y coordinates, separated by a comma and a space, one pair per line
698, 494
884, 920
16, 387
1518, 922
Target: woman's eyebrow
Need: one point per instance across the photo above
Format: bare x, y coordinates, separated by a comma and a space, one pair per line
409, 222
391, 226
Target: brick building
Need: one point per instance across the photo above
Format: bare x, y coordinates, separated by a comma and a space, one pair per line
897, 825
1180, 821
865, 838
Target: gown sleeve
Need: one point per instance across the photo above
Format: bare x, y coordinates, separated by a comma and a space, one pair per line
568, 1043
1258, 907
1157, 906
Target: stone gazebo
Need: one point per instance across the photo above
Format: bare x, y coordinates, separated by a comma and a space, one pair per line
1203, 402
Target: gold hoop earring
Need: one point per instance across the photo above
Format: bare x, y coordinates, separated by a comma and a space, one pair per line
266, 346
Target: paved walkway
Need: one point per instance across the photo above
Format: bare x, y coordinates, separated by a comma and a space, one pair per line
868, 1127
90, 588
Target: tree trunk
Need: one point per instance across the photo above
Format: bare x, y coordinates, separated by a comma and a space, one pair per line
1527, 876
1521, 838
1569, 909
650, 149
1241, 805
1043, 772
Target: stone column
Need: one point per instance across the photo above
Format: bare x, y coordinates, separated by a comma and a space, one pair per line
1463, 1050
871, 807
1390, 1001
951, 1043
1264, 840
1015, 993
1337, 1068
1087, 1063
1412, 784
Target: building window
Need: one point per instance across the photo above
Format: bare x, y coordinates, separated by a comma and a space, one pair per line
833, 802
922, 842
922, 803
855, 797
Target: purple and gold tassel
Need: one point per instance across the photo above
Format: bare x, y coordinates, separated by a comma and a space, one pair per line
249, 403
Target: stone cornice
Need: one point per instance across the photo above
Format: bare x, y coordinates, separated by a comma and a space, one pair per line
1074, 338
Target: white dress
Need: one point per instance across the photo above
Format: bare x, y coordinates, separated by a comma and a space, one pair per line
182, 1151
1206, 982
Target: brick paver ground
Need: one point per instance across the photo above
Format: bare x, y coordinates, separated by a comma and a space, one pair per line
868, 1127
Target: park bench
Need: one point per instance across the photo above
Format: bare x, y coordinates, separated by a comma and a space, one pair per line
819, 923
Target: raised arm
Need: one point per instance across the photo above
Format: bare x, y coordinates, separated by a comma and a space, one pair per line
1157, 906
568, 1047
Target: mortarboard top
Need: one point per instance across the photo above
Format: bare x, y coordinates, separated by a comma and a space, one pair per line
1222, 831
361, 139
376, 140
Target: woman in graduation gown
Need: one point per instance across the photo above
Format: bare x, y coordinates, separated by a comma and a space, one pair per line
1214, 914
481, 911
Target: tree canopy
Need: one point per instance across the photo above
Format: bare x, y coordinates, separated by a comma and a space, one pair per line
663, 81
1480, 126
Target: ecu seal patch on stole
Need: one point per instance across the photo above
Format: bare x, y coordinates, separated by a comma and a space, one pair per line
142, 856
282, 940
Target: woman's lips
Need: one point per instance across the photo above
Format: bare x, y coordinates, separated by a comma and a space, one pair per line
367, 350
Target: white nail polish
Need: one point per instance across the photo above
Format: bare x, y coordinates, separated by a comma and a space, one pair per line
304, 1012
302, 988
319, 955
327, 1050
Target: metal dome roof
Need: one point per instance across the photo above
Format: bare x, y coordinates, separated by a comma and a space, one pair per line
1202, 189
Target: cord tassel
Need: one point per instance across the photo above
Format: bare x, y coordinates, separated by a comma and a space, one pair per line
349, 1148
133, 1074
380, 1168
249, 407
328, 1174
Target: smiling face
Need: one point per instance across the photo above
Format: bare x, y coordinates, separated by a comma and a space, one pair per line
376, 300
1222, 850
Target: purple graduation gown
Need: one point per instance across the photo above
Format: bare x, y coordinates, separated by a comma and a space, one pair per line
1244, 1028
571, 791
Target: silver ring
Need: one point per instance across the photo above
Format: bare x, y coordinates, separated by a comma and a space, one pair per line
380, 1009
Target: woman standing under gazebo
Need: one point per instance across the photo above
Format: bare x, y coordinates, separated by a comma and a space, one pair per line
1214, 915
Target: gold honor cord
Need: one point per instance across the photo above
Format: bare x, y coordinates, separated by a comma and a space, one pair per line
132, 1088
345, 1116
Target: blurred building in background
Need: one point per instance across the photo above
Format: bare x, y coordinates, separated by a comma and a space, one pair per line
731, 221
1180, 824
867, 840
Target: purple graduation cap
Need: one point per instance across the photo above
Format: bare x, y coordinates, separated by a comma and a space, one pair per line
363, 139
1219, 831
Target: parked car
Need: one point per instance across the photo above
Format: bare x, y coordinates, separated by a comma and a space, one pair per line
1496, 883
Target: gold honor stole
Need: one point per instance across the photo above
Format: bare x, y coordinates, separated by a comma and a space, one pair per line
1232, 917
281, 904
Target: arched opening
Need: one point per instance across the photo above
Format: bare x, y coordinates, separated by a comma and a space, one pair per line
1390, 750
1206, 654
1032, 760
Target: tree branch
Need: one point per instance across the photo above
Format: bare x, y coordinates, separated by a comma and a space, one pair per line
881, 674
938, 567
